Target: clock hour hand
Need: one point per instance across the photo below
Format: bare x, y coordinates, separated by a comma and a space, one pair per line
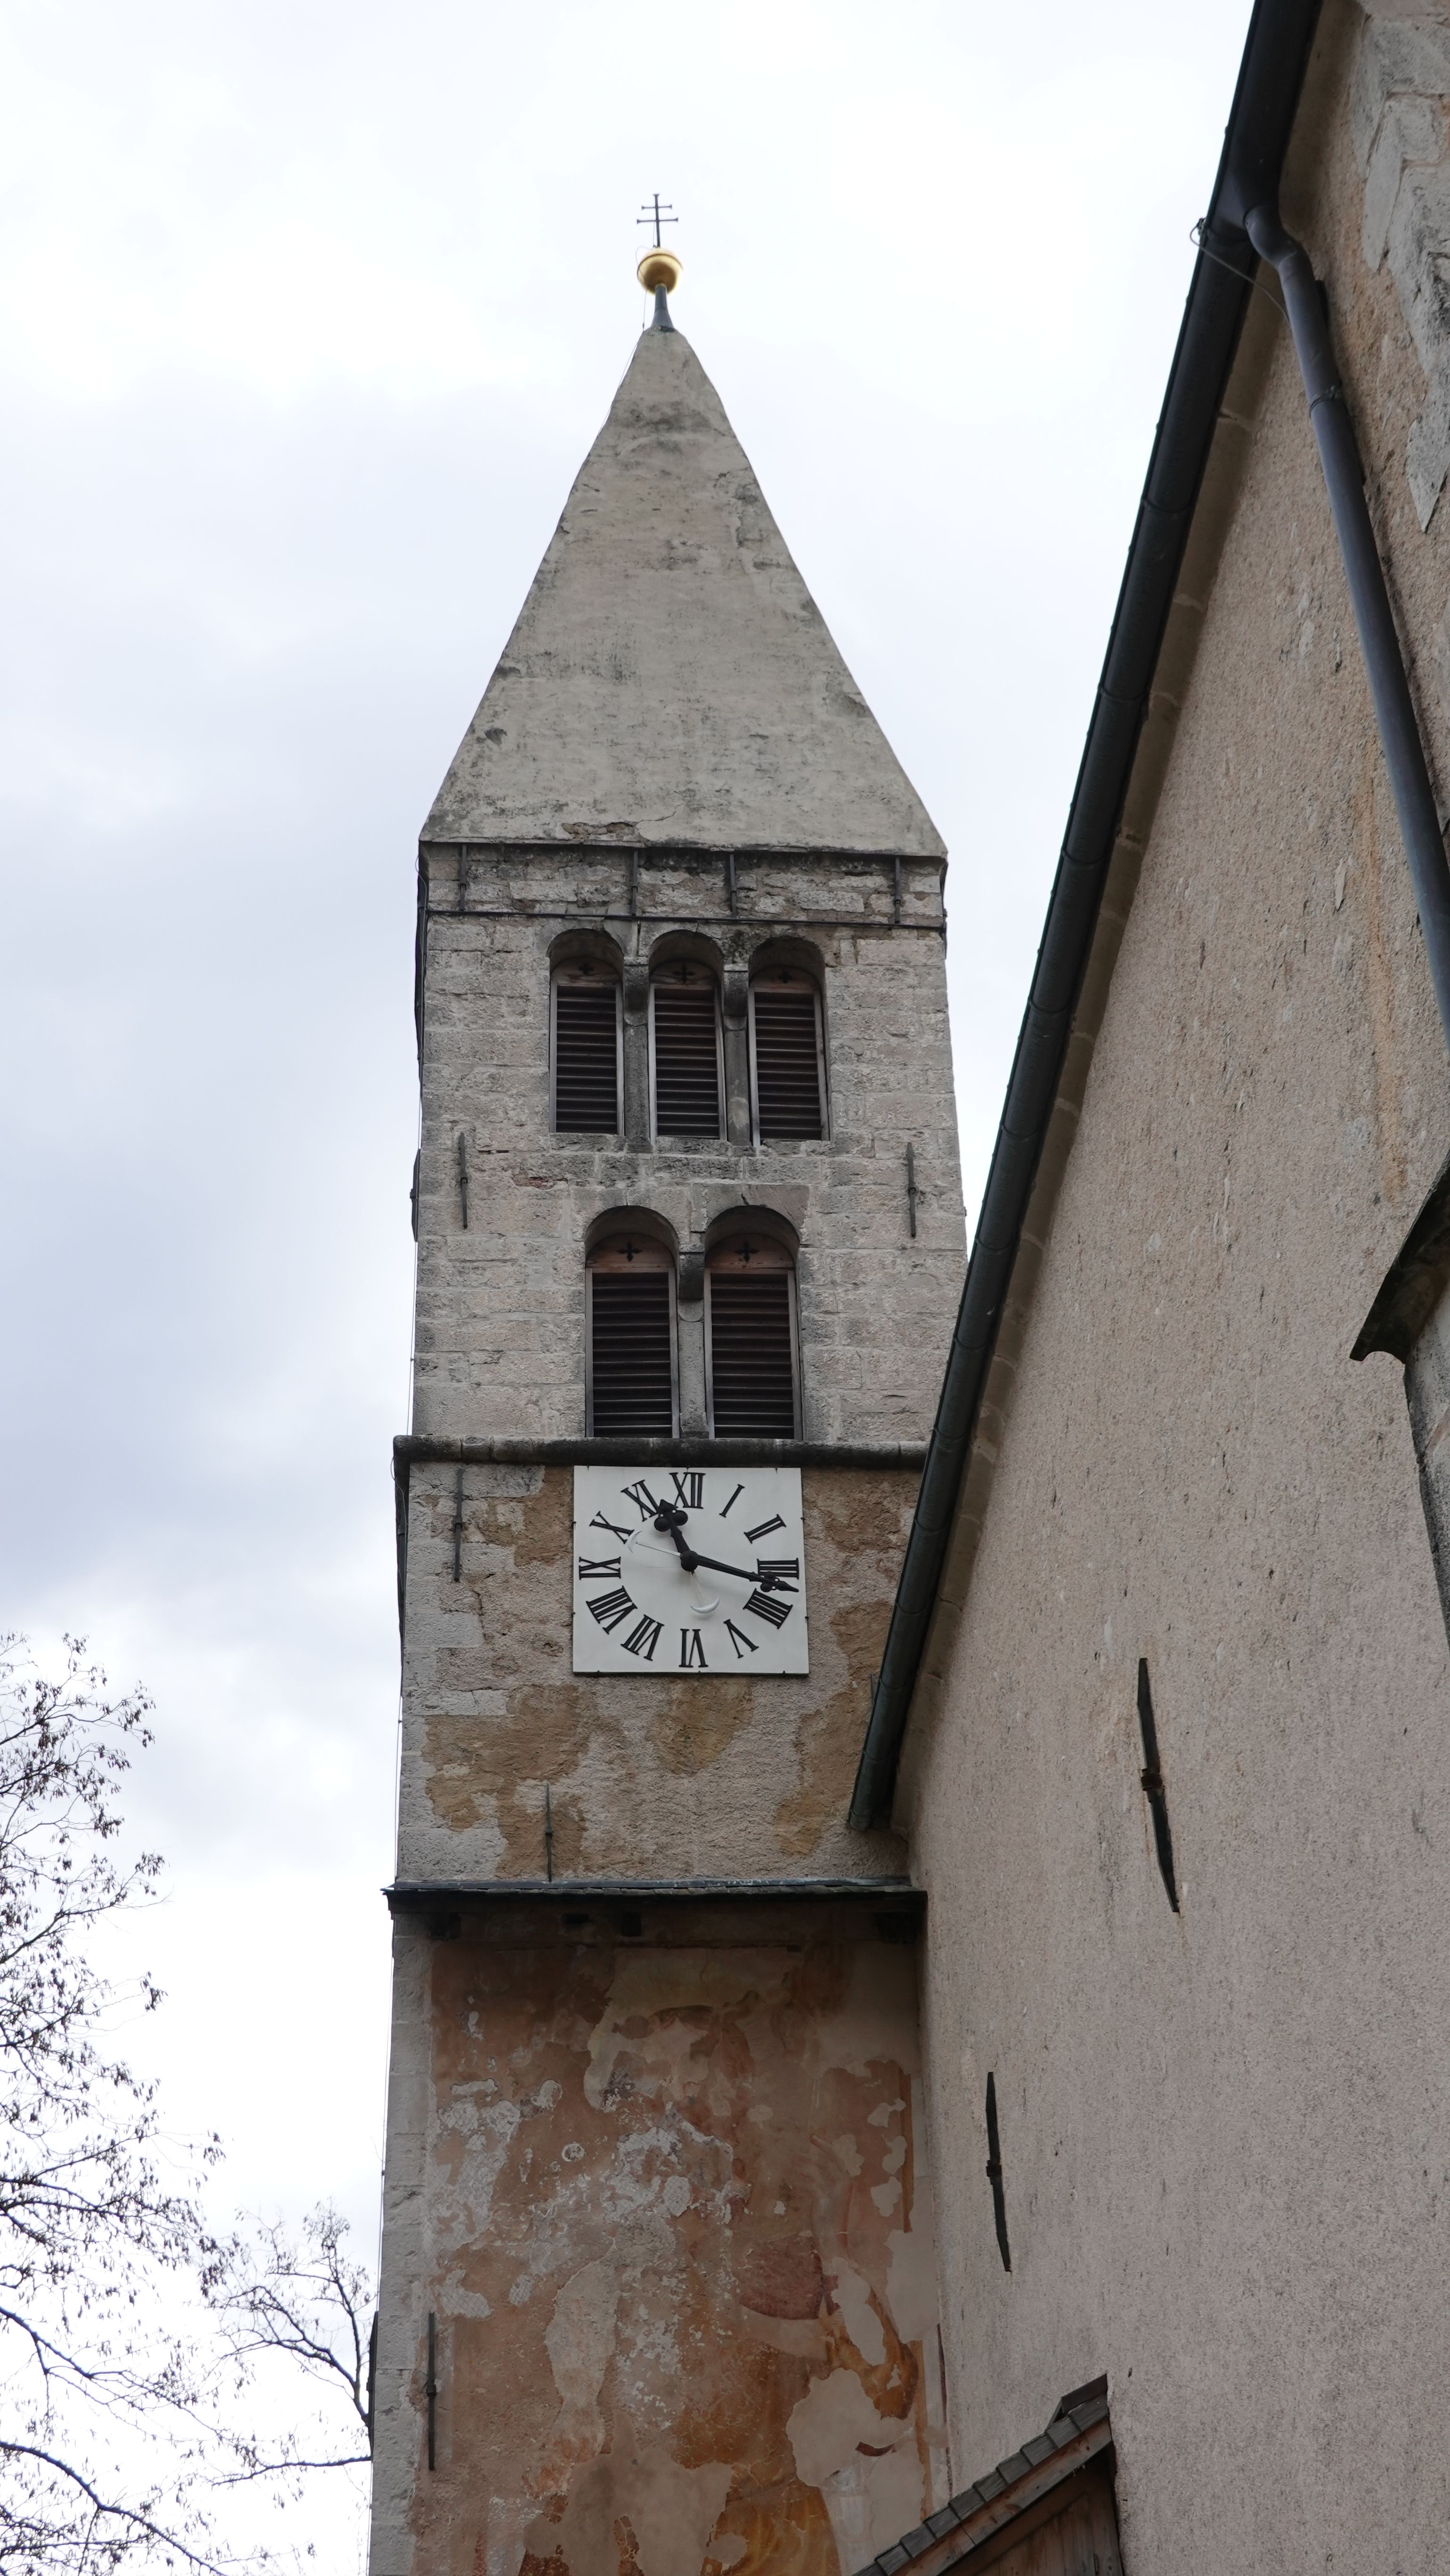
672, 1522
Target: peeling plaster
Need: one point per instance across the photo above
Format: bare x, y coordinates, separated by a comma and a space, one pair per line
714, 2348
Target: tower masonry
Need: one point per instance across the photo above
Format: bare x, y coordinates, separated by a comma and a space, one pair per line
658, 2280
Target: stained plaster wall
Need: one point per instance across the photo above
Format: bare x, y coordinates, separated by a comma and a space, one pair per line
500, 1306
1224, 2131
666, 2196
812, 2423
716, 1776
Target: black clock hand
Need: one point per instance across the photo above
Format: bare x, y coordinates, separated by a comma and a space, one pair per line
766, 1581
670, 1520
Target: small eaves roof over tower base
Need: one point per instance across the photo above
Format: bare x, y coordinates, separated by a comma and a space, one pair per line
670, 679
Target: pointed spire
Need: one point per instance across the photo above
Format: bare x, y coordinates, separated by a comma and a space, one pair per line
670, 680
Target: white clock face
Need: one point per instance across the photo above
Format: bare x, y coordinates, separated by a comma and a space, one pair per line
689, 1570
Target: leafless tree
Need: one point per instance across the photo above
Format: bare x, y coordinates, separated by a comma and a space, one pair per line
135, 2347
98, 2431
304, 2303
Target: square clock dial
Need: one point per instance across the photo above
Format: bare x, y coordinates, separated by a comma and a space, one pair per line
689, 1570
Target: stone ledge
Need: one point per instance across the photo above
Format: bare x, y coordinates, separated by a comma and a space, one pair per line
513, 1913
419, 1448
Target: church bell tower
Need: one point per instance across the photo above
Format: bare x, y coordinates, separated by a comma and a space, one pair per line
658, 2286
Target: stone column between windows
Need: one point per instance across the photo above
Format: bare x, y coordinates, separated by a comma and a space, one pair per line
636, 1056
734, 1013
690, 1330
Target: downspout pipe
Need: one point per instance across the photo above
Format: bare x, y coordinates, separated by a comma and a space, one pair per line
1394, 707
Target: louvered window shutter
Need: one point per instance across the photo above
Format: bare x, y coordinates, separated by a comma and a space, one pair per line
785, 1021
685, 1023
631, 1342
586, 1054
752, 1352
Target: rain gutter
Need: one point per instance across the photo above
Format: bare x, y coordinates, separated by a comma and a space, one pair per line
1255, 142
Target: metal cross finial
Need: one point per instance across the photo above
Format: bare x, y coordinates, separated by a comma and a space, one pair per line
657, 214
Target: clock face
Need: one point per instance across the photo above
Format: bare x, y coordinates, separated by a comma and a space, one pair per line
689, 1570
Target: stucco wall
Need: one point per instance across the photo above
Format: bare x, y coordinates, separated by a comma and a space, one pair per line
661, 2181
1224, 2132
650, 1777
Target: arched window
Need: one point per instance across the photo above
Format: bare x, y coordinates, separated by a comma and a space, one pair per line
584, 1053
751, 1375
685, 1058
632, 1380
787, 1056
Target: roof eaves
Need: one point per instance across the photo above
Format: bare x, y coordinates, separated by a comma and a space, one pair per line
1255, 142
951, 2537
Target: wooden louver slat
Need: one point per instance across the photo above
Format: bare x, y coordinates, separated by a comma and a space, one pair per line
787, 1062
752, 1379
687, 1058
631, 1372
586, 1057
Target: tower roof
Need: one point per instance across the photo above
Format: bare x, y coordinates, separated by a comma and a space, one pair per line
670, 678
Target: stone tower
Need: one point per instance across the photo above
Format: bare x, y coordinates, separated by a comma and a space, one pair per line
658, 2283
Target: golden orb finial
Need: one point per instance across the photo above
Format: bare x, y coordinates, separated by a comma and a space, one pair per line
658, 268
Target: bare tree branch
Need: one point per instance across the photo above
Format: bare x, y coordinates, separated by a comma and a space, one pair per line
305, 2302
121, 2430
88, 2224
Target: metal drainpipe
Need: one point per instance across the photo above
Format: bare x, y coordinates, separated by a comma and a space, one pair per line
1390, 689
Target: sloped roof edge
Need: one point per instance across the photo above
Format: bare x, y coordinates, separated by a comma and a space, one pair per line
670, 681
1256, 139
1077, 2435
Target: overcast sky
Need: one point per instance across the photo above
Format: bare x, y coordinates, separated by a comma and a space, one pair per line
309, 310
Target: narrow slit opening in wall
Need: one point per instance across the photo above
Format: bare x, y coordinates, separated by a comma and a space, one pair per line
1152, 1779
430, 2390
994, 2175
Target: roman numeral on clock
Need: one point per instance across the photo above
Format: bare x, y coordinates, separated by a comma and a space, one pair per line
643, 1639
610, 1607
656, 1561
764, 1605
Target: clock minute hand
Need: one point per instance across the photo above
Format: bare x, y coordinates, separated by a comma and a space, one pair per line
766, 1581
669, 1519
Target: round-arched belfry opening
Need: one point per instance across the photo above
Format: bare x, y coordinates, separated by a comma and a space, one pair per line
632, 1378
752, 1343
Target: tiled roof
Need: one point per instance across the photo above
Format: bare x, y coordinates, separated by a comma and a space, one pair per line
1077, 2433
